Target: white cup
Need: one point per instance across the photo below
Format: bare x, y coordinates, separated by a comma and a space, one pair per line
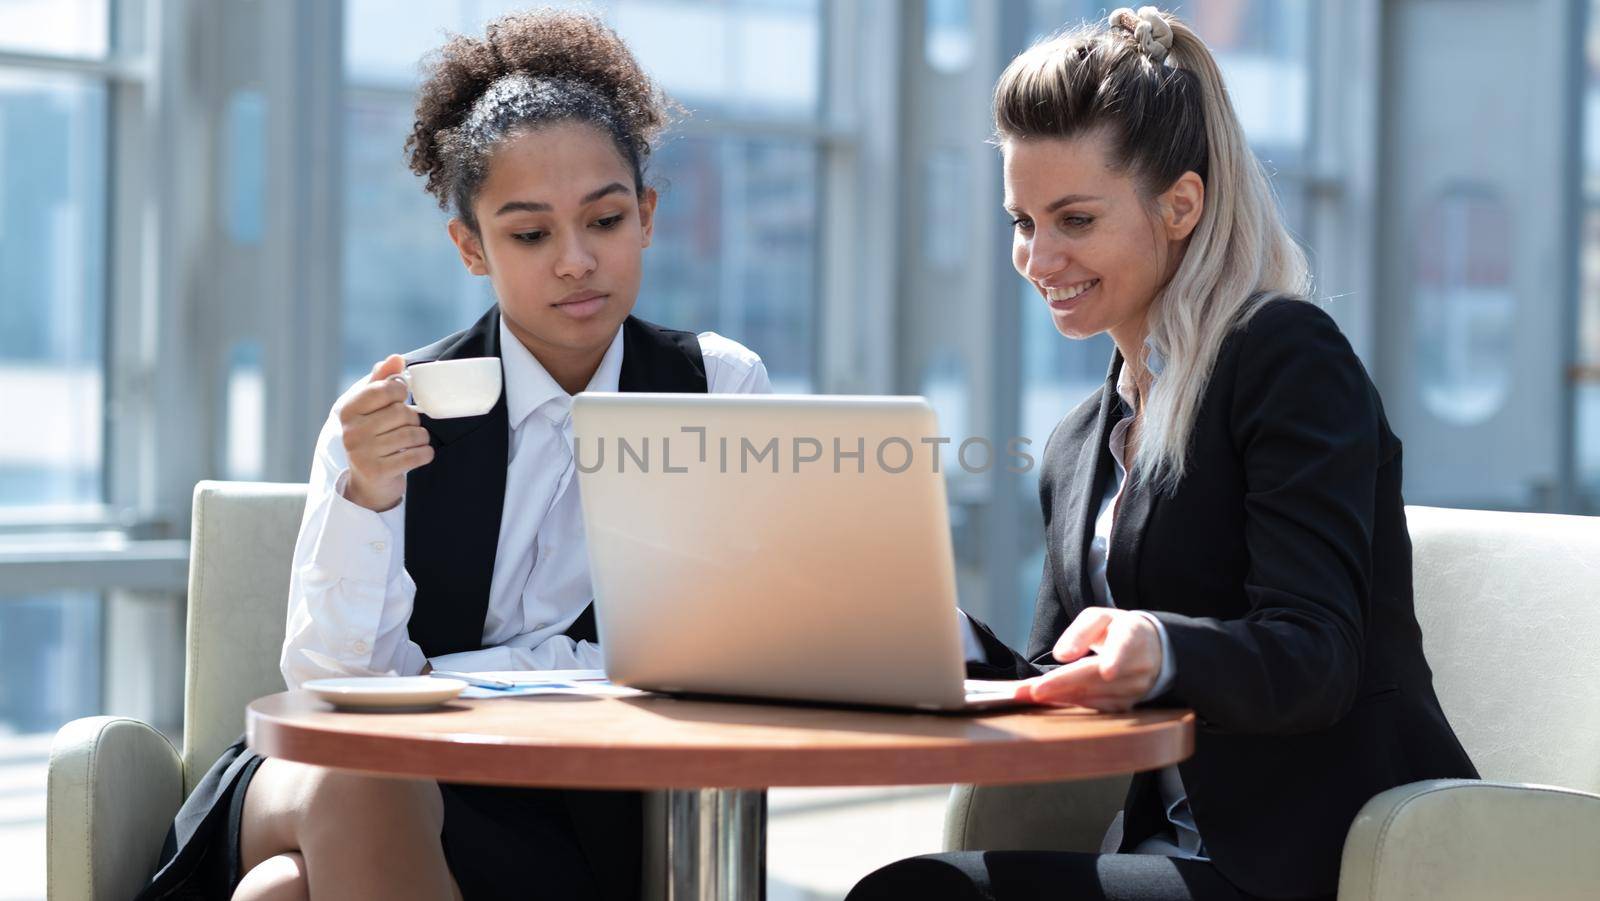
446, 389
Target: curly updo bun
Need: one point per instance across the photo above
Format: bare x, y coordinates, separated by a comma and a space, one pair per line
529, 69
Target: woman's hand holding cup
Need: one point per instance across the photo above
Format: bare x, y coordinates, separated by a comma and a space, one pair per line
383, 437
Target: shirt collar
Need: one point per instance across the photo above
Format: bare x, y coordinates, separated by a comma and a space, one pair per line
530, 389
1154, 362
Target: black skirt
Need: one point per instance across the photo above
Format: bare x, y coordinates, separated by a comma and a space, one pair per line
498, 842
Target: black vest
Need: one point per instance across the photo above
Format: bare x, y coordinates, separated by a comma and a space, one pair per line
454, 504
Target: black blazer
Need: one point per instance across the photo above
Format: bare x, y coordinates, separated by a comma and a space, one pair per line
1281, 568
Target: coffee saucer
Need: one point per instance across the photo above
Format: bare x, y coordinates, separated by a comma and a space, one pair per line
393, 693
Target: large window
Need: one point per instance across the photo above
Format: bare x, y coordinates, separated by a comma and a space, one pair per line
52, 267
53, 213
55, 97
71, 28
735, 247
50, 662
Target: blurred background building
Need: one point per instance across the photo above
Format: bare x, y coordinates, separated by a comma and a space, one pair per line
207, 229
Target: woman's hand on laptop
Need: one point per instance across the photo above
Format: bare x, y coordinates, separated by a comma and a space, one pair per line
383, 437
1123, 668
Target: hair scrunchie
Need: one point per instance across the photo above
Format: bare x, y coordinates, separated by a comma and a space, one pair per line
1148, 28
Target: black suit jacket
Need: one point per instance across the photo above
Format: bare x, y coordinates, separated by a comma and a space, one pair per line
1281, 568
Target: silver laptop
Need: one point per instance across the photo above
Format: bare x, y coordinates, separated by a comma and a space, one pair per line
773, 546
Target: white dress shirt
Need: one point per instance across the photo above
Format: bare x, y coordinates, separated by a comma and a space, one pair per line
1181, 839
350, 596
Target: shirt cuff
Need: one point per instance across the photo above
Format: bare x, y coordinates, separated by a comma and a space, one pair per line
497, 659
1168, 669
555, 653
356, 543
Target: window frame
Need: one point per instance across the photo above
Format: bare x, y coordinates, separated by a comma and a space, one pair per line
130, 546
78, 533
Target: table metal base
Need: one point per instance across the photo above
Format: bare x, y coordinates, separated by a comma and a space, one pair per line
716, 844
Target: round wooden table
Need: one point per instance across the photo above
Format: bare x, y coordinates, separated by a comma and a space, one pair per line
716, 759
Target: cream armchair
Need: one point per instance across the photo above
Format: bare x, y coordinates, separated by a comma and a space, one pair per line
115, 783
1510, 611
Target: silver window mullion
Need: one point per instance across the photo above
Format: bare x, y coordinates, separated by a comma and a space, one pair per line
855, 331
1342, 157
112, 68
298, 297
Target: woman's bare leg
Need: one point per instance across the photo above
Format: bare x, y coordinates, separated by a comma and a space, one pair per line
358, 836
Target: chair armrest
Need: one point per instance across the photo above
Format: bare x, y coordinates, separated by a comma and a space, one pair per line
1047, 816
1467, 840
114, 786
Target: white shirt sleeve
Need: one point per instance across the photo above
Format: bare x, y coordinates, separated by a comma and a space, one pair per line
556, 652
732, 368
349, 594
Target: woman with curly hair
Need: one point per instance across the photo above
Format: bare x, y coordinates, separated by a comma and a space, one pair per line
459, 543
1224, 526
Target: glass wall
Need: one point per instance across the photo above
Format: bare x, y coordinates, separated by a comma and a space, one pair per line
56, 27
54, 206
53, 211
50, 661
53, 269
735, 245
404, 285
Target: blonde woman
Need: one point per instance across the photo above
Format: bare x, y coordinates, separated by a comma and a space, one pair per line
1223, 518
